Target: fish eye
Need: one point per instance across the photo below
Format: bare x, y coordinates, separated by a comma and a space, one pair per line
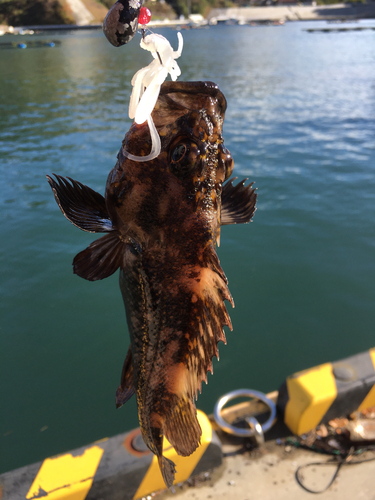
183, 157
179, 152
226, 161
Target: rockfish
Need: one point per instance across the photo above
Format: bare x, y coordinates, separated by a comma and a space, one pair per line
163, 218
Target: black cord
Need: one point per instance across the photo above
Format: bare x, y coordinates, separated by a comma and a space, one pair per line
338, 461
301, 467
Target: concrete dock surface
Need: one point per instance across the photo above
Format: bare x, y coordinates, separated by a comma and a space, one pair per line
268, 473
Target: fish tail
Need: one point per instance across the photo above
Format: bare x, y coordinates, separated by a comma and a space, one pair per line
155, 444
167, 469
181, 427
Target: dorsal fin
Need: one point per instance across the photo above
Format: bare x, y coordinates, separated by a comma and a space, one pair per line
196, 347
81, 205
199, 338
238, 202
212, 316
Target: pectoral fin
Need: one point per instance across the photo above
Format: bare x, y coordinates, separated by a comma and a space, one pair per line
126, 388
100, 259
237, 202
81, 205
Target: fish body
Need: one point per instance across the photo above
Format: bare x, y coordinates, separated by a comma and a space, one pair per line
163, 220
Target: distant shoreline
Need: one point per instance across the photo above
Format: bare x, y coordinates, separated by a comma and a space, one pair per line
342, 11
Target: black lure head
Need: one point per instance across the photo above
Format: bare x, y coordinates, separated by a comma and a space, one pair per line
121, 21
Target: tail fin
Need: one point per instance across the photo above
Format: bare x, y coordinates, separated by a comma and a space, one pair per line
167, 469
181, 427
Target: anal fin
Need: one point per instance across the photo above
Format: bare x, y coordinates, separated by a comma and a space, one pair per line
126, 388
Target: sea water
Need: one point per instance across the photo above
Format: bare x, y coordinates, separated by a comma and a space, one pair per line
300, 124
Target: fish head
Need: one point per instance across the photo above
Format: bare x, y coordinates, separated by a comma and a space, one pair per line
193, 163
194, 145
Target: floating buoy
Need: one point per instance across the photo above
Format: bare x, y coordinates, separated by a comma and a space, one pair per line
30, 44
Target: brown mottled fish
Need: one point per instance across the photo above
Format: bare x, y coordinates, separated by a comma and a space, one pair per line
162, 218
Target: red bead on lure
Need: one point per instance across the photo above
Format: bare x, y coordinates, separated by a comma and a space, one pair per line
144, 16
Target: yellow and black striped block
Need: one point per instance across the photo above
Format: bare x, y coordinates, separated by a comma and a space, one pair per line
328, 391
118, 468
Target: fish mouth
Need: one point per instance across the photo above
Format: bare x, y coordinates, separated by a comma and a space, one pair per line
208, 88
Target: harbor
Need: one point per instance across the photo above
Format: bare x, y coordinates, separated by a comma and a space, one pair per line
299, 123
293, 12
340, 12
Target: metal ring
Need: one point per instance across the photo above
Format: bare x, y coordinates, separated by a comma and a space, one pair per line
257, 428
236, 431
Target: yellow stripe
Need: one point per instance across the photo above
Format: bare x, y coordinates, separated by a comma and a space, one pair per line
370, 398
311, 393
153, 479
66, 477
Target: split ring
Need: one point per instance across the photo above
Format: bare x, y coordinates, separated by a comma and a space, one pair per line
256, 429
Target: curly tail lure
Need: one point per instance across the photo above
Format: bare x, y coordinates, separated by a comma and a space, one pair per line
120, 26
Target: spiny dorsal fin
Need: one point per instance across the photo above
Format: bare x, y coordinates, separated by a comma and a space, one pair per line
212, 316
200, 336
238, 202
126, 388
100, 259
81, 205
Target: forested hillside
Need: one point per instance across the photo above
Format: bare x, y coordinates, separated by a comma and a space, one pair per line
26, 12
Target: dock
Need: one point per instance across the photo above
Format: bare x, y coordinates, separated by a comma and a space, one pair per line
340, 29
341, 11
241, 469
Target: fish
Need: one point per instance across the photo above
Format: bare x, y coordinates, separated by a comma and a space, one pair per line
162, 220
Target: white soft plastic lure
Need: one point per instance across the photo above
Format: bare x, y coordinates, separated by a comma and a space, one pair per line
146, 86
